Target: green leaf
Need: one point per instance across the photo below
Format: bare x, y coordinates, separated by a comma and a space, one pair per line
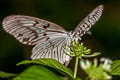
115, 67
38, 72
51, 63
92, 55
6, 75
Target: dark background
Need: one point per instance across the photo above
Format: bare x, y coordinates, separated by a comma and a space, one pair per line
105, 36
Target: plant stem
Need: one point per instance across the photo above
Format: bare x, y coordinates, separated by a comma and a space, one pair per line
76, 66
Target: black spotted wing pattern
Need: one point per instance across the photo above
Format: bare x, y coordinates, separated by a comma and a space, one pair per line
89, 21
30, 30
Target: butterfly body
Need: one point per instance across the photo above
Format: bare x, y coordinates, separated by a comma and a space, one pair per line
48, 39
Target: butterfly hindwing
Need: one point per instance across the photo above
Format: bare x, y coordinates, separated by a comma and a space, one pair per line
89, 21
30, 30
51, 49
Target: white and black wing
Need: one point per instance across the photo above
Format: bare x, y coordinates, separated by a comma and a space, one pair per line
30, 30
48, 38
53, 48
89, 21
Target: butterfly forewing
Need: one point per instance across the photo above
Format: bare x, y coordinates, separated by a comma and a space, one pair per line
89, 21
30, 30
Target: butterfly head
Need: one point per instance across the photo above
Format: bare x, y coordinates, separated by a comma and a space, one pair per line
71, 34
73, 37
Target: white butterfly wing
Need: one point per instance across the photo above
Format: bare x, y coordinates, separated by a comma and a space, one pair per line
30, 30
53, 48
48, 38
89, 21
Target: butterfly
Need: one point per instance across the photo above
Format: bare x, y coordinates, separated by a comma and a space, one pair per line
48, 38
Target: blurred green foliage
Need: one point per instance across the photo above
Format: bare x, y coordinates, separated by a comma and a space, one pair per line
105, 36
38, 73
50, 63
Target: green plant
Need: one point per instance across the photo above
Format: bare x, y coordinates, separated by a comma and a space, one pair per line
95, 71
50, 69
78, 51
